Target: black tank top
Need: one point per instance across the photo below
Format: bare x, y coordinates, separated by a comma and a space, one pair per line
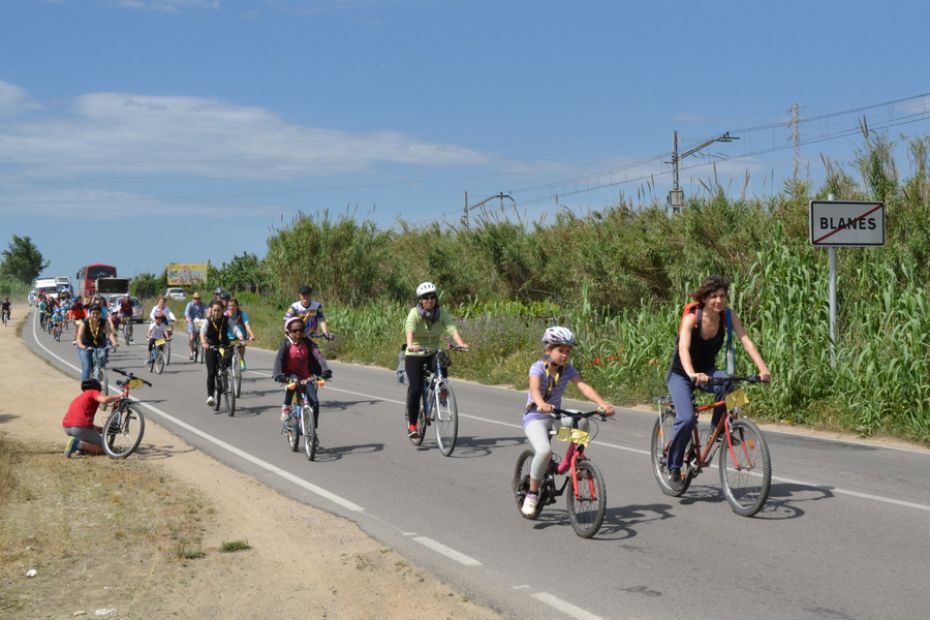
94, 335
216, 332
703, 352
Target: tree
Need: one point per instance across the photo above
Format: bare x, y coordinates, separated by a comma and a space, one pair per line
146, 285
22, 260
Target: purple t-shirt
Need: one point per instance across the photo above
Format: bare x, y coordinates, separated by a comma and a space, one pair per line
538, 369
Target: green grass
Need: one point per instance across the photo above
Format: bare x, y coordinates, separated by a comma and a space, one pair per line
235, 545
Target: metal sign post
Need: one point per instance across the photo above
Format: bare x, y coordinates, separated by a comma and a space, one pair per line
844, 224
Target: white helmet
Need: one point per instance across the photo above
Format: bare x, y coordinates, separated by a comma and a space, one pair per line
425, 288
556, 335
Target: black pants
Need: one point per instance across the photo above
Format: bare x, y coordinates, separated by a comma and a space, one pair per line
212, 356
416, 369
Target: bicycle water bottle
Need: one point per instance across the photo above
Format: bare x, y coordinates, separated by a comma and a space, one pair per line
731, 361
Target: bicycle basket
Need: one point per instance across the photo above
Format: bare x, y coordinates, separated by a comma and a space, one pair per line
160, 342
574, 435
736, 398
135, 383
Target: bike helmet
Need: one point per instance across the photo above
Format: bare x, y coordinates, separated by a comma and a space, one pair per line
159, 314
425, 288
288, 321
220, 291
557, 335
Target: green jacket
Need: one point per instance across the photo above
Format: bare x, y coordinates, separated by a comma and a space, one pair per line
425, 334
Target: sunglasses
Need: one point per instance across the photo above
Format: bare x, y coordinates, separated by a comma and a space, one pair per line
296, 331
428, 297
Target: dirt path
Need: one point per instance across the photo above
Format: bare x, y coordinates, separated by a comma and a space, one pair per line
347, 574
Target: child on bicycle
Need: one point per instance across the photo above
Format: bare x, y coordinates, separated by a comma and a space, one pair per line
548, 379
295, 358
158, 329
700, 337
79, 419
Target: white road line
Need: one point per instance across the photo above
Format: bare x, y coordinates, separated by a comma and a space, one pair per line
564, 606
449, 552
336, 499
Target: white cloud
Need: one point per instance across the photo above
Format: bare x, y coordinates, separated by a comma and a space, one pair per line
689, 117
13, 99
143, 134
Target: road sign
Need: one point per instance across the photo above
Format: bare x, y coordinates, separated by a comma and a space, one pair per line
851, 224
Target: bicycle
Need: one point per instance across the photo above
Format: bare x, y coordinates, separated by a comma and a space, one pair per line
222, 384
304, 415
745, 465
235, 365
5, 316
198, 350
56, 329
169, 333
157, 356
587, 501
98, 370
127, 328
439, 404
125, 426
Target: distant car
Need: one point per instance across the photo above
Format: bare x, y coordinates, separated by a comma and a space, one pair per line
137, 314
175, 293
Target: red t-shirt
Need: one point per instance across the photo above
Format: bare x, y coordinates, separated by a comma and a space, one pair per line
296, 361
82, 410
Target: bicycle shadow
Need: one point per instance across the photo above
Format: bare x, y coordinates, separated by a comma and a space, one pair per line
343, 405
781, 504
620, 522
6, 417
470, 447
336, 453
151, 452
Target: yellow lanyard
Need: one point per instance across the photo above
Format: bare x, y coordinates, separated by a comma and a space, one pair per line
94, 332
551, 382
216, 326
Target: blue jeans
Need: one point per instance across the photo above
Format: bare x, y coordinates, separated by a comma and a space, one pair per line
87, 361
681, 389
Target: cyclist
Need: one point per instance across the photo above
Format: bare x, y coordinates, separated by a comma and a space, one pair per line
193, 311
58, 318
425, 327
42, 306
694, 362
79, 419
548, 379
157, 329
213, 334
311, 313
294, 357
125, 310
240, 318
162, 306
6, 308
93, 332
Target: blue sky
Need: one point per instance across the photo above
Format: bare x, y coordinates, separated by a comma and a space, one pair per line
141, 132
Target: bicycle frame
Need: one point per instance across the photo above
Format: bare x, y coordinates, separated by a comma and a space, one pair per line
577, 455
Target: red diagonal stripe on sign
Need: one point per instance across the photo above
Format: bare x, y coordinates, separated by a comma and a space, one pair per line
846, 225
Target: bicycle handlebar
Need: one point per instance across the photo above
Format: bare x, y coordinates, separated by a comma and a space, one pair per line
735, 379
574, 413
120, 371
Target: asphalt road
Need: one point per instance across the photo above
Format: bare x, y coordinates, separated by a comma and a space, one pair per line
845, 534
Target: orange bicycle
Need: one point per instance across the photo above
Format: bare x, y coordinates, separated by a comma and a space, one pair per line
744, 462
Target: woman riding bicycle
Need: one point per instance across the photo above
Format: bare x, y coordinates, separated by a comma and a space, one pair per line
215, 334
239, 317
94, 332
294, 357
700, 337
548, 379
425, 327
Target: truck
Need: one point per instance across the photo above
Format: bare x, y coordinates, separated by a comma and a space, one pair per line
46, 285
111, 286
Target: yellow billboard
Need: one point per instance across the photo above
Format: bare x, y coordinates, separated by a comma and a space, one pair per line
186, 274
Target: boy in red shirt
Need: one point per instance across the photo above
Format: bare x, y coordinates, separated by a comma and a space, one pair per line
79, 420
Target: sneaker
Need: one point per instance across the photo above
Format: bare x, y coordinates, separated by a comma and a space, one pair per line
529, 504
72, 446
674, 478
190, 357
211, 401
285, 413
241, 364
412, 431
326, 374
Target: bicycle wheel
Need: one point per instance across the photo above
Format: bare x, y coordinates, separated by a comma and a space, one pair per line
126, 333
168, 352
586, 510
159, 361
292, 428
123, 431
446, 416
308, 427
229, 395
237, 373
218, 390
521, 483
661, 439
745, 468
421, 428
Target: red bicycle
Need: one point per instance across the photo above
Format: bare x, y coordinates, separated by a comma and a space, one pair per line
587, 502
744, 462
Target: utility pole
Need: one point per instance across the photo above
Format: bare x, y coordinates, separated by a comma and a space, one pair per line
796, 137
500, 196
465, 219
676, 197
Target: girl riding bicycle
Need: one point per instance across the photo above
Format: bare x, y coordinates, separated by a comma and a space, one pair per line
548, 379
425, 327
79, 420
294, 357
700, 337
158, 330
